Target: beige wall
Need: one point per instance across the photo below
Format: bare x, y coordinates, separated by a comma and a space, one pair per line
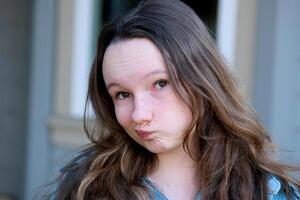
64, 129
245, 45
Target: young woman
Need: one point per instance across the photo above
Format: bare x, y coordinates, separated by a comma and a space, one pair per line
169, 120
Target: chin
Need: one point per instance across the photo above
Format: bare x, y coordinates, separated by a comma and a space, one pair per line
157, 149
154, 149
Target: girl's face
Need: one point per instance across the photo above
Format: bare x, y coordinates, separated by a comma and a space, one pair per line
146, 104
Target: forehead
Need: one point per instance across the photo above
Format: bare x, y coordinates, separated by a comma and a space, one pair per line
137, 56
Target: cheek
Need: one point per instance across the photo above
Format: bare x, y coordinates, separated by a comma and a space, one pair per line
123, 115
181, 115
178, 113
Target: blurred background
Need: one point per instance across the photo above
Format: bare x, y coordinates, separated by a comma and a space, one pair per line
46, 49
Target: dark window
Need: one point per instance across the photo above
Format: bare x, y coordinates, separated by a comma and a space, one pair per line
206, 10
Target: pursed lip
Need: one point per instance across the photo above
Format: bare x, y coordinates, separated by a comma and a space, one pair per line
143, 134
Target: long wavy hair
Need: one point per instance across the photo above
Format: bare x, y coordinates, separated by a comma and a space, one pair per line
230, 147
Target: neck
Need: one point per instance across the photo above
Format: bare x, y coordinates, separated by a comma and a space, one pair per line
175, 175
176, 164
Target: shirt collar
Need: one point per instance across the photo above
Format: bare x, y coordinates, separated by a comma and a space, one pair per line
274, 185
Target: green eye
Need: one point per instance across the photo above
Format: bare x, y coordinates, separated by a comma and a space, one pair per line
160, 84
122, 95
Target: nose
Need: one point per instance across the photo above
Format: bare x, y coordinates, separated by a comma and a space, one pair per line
142, 111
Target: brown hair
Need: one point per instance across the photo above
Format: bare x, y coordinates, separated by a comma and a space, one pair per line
229, 145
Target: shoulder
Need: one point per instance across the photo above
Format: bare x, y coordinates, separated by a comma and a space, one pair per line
276, 191
73, 172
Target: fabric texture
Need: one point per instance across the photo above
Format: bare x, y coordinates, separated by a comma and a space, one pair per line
274, 185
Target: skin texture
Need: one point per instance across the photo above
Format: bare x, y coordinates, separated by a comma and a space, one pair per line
136, 77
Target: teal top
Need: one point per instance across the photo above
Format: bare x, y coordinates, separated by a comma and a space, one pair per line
275, 191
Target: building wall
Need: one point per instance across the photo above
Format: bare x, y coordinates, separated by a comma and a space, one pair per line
277, 85
38, 151
14, 92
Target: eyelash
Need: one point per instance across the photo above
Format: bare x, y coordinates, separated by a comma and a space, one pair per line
165, 82
161, 81
117, 96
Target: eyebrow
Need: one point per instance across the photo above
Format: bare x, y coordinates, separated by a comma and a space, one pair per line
147, 75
